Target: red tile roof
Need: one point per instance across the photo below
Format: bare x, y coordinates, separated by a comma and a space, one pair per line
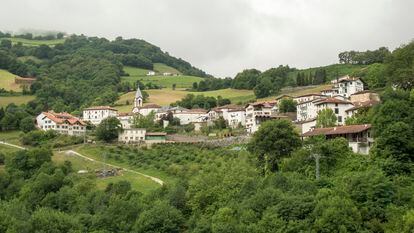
347, 129
101, 108
332, 100
365, 104
150, 106
311, 94
63, 117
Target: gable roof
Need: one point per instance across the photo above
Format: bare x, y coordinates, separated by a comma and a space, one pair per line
138, 93
63, 117
331, 100
365, 104
347, 129
101, 108
150, 106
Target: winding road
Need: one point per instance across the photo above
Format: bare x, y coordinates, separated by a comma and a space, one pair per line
72, 152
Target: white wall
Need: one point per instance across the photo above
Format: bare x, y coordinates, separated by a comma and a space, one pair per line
132, 136
96, 116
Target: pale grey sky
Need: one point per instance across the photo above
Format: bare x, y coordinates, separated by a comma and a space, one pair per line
223, 37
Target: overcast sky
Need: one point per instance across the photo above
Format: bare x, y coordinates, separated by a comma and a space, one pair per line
224, 37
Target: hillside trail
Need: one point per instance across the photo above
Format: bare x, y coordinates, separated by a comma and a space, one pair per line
72, 152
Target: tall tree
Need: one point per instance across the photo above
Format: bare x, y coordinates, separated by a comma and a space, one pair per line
273, 141
326, 118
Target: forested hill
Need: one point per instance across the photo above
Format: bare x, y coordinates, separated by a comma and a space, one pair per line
81, 71
131, 52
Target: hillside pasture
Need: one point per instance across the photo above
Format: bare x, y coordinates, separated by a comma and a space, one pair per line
18, 100
27, 42
138, 74
163, 68
7, 81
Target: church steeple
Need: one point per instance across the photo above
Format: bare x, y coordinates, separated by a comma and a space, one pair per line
138, 101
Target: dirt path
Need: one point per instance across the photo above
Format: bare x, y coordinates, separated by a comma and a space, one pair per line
155, 179
12, 145
72, 152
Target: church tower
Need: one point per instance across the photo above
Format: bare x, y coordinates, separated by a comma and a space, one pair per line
138, 101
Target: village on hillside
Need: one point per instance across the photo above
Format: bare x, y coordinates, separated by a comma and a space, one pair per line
347, 96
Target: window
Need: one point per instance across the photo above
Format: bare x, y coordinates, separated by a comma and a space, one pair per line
336, 110
339, 118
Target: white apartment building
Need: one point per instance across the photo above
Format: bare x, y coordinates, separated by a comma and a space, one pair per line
260, 109
346, 86
236, 117
306, 110
132, 135
192, 115
98, 113
147, 109
63, 123
126, 119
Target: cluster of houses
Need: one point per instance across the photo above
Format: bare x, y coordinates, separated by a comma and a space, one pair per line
346, 97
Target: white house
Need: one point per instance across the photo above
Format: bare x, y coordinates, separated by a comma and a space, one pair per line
236, 117
192, 115
307, 110
126, 119
254, 110
359, 136
151, 73
98, 113
132, 135
149, 108
329, 92
346, 86
338, 106
165, 110
166, 74
63, 123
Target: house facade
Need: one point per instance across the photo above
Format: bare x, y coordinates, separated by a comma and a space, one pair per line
126, 119
149, 108
63, 123
98, 113
258, 109
191, 116
359, 137
346, 86
132, 136
307, 110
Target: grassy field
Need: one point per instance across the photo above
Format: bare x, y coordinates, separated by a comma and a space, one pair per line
162, 68
12, 137
139, 183
167, 96
181, 81
18, 100
135, 72
7, 81
27, 42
